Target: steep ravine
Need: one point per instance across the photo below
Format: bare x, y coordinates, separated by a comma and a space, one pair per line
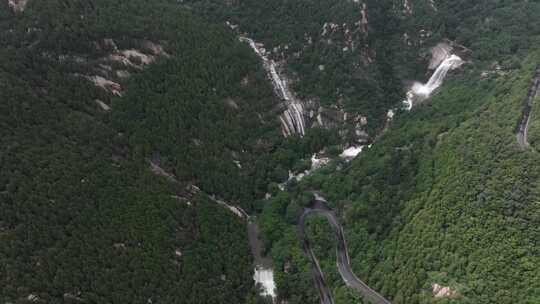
293, 122
292, 119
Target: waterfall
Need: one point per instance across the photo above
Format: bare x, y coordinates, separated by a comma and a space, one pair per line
265, 277
420, 92
292, 119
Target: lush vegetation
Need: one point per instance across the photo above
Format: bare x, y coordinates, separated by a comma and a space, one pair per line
83, 218
444, 196
447, 197
330, 65
336, 59
534, 124
217, 128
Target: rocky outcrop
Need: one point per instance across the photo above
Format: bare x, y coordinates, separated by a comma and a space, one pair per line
292, 119
407, 8
102, 105
17, 5
439, 53
117, 65
440, 291
432, 4
106, 84
364, 22
352, 125
299, 115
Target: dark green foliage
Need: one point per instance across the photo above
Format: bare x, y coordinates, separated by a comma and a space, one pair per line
368, 76
445, 197
83, 218
296, 28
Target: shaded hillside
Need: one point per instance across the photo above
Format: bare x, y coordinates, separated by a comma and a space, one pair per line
83, 218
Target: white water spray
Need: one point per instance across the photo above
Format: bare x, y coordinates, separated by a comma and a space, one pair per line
292, 120
420, 92
265, 277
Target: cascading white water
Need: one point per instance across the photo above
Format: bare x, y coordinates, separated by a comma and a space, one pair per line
292, 119
265, 277
420, 92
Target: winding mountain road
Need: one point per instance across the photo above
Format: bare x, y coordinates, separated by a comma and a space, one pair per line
319, 207
523, 126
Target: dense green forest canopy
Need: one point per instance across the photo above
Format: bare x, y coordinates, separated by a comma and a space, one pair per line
294, 29
367, 65
445, 196
83, 218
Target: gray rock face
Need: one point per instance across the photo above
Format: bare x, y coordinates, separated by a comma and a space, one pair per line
438, 54
17, 5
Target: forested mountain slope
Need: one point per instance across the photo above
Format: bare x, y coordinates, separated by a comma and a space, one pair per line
334, 59
360, 56
93, 91
114, 113
446, 197
443, 207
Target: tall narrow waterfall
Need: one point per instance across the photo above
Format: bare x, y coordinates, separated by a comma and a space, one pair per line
420, 92
292, 119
